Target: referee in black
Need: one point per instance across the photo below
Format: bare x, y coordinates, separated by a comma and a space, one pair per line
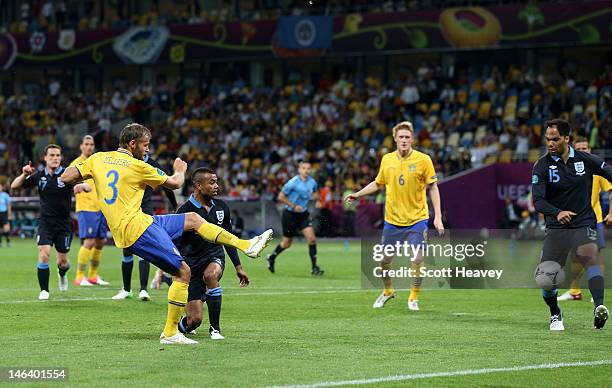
127, 261
206, 260
55, 225
562, 182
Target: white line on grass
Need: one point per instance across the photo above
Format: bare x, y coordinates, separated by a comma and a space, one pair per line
255, 293
106, 288
448, 374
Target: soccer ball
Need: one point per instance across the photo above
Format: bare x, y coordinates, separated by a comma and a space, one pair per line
549, 275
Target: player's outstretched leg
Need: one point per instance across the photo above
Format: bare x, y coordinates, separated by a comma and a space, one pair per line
218, 235
547, 275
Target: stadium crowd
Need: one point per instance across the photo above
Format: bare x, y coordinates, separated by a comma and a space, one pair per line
255, 136
54, 15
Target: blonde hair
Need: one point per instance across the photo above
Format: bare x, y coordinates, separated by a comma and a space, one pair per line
407, 125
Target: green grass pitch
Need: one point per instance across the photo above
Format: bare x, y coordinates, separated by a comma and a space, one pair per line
289, 328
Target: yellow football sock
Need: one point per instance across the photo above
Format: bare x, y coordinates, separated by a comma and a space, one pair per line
387, 281
389, 291
416, 282
414, 292
96, 255
177, 299
577, 270
82, 260
218, 235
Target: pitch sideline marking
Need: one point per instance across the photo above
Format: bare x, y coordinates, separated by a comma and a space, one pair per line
468, 372
350, 290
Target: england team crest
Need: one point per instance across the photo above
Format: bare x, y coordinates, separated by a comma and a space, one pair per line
220, 215
579, 167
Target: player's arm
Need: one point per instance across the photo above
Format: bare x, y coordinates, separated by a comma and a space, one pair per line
538, 189
26, 171
82, 188
377, 184
371, 188
176, 180
71, 176
431, 179
600, 167
434, 194
10, 210
282, 198
233, 252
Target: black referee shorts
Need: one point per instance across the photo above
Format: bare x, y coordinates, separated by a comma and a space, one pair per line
558, 243
197, 287
56, 232
3, 218
293, 222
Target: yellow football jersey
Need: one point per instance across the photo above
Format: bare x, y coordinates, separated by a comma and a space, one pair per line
599, 184
406, 181
87, 202
120, 181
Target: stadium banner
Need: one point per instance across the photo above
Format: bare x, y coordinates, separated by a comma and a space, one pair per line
460, 259
304, 32
505, 26
491, 185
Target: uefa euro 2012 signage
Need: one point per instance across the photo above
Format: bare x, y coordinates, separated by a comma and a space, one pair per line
474, 259
505, 26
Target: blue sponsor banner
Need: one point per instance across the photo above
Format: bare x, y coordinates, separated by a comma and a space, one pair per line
305, 32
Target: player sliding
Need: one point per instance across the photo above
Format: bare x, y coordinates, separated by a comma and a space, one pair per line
599, 185
562, 181
405, 174
120, 178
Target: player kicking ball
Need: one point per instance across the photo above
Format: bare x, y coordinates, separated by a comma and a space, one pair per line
206, 260
120, 178
561, 185
599, 185
405, 174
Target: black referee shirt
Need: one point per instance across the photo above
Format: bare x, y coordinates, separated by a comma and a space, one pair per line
192, 246
557, 186
55, 195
